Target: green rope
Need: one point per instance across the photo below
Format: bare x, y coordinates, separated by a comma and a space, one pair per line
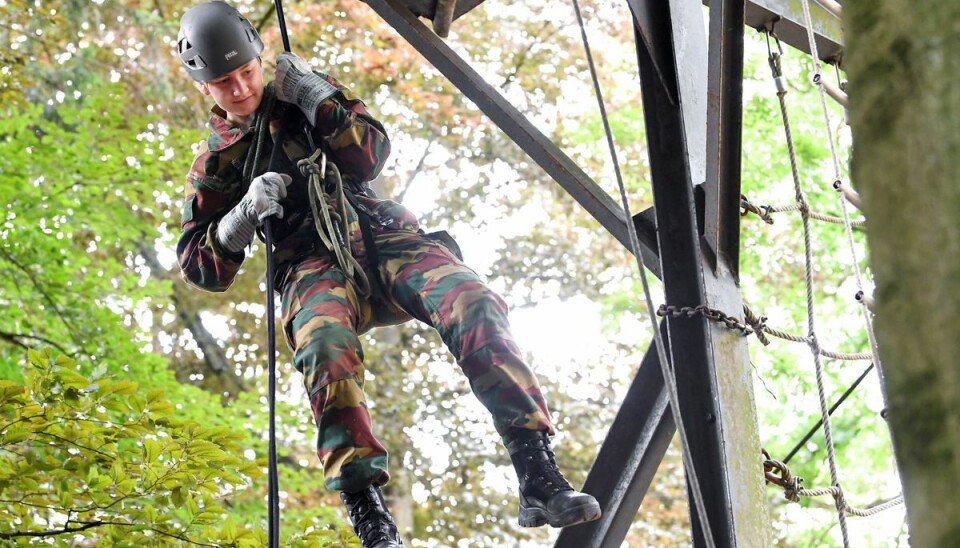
333, 236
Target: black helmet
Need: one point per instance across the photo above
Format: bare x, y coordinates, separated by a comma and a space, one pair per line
215, 39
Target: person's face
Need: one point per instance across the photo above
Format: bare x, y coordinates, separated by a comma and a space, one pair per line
238, 92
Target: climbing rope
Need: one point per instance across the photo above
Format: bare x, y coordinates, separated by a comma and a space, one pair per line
778, 473
666, 365
812, 342
331, 225
273, 473
251, 164
765, 211
845, 192
758, 326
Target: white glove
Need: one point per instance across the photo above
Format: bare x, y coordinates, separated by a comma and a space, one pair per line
297, 84
236, 229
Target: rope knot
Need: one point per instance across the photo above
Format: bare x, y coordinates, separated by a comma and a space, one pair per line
757, 323
762, 211
777, 473
308, 167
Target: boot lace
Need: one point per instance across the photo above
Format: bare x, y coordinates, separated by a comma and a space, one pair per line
371, 524
544, 474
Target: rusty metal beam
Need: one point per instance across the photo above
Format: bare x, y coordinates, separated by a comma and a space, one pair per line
787, 15
724, 127
443, 16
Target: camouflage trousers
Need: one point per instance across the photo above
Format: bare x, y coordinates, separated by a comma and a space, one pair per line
323, 315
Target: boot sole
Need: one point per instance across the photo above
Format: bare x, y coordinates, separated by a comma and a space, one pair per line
536, 517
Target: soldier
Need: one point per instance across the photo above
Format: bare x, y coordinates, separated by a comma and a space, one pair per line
385, 270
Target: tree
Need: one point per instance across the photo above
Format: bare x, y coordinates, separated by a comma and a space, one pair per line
97, 456
904, 65
92, 159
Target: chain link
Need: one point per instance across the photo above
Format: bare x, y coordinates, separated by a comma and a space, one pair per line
669, 310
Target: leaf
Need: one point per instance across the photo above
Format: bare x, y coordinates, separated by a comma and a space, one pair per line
72, 379
124, 388
161, 408
9, 390
151, 451
15, 434
154, 394
37, 359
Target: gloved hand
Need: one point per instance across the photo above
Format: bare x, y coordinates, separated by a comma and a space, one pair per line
236, 229
297, 84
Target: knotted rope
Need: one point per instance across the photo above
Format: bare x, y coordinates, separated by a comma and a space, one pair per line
778, 473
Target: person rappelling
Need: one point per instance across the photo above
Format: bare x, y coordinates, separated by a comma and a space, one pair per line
345, 261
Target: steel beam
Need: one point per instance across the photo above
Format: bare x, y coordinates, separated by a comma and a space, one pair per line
628, 459
428, 8
710, 361
724, 128
537, 145
787, 16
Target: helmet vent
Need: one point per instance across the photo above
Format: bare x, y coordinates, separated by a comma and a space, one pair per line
214, 39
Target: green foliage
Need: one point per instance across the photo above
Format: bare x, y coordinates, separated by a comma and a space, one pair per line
95, 137
106, 459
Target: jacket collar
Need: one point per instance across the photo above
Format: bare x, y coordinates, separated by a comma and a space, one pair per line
223, 133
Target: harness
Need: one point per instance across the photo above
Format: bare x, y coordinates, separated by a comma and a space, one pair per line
325, 184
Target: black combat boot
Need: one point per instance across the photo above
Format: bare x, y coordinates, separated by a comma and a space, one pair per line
370, 518
545, 495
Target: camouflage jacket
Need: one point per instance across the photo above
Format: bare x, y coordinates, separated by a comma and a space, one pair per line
353, 139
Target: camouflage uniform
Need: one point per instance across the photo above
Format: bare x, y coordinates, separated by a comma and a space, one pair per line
322, 312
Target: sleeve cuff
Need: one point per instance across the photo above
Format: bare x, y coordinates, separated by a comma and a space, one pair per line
218, 251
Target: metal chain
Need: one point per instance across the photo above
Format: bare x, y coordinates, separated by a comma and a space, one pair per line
669, 310
752, 325
774, 60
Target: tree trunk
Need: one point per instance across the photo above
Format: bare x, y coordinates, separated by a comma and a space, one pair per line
903, 58
219, 377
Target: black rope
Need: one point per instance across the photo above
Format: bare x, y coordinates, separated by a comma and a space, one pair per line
273, 475
833, 408
273, 490
283, 25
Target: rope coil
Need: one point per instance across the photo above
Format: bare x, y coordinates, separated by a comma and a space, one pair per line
333, 225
